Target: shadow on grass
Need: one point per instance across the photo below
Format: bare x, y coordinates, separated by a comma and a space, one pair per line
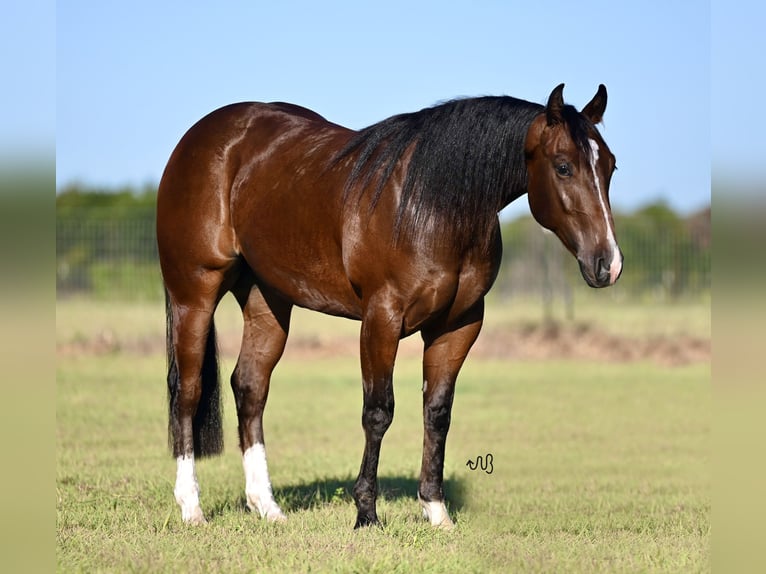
305, 496
322, 492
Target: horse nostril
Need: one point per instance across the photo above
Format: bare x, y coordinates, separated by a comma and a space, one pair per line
602, 270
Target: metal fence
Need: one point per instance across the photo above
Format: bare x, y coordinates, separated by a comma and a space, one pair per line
107, 258
660, 264
110, 258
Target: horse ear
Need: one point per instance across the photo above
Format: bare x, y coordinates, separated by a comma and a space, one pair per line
594, 110
555, 105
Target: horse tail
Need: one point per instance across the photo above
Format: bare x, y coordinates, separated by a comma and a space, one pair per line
207, 428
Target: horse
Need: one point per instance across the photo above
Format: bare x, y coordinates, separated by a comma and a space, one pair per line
395, 225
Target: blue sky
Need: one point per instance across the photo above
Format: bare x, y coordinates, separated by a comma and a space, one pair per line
132, 77
28, 64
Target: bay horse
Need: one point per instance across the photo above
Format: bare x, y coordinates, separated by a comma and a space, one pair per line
395, 225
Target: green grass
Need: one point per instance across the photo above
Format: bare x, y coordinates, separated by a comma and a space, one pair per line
597, 468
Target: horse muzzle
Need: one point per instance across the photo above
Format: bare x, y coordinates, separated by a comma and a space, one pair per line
602, 270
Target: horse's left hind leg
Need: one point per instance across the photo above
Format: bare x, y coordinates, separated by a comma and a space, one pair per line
445, 351
266, 324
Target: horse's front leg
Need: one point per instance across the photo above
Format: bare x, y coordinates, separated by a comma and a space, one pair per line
445, 350
379, 341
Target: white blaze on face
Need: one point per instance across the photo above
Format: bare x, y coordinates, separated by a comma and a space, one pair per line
615, 266
257, 484
187, 490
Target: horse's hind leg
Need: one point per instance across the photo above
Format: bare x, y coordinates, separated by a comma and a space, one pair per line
195, 422
266, 324
445, 351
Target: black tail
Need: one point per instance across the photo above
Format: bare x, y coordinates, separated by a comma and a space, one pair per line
206, 425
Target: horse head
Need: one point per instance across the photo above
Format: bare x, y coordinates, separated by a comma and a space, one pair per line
569, 169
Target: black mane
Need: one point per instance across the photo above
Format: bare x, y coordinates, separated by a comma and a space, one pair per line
467, 163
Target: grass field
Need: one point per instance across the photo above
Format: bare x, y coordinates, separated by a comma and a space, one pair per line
596, 467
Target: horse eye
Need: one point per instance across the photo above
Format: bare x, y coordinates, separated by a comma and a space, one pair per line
564, 169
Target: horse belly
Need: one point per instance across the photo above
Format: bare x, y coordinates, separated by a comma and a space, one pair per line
299, 257
318, 287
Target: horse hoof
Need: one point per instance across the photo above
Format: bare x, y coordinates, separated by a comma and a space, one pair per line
276, 517
365, 521
436, 513
196, 518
